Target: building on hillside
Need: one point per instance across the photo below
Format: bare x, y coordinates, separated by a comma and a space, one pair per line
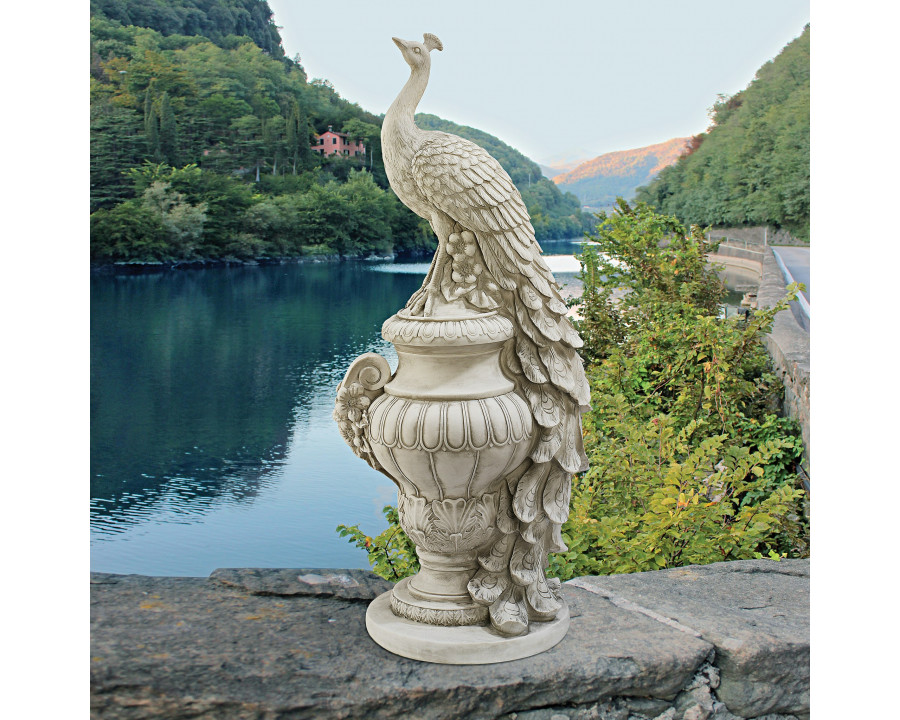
336, 143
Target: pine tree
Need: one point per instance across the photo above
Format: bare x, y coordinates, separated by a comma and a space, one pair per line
168, 131
151, 127
293, 135
304, 152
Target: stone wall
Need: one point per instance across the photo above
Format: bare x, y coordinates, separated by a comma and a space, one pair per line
728, 254
788, 345
724, 641
759, 235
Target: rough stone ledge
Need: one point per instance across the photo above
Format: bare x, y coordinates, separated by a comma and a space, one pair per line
345, 584
723, 641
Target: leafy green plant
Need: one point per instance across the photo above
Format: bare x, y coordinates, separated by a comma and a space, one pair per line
391, 554
655, 497
688, 463
128, 232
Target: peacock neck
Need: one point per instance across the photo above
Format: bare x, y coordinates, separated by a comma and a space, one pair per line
399, 121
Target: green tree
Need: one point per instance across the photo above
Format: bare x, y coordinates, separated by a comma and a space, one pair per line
117, 143
297, 137
168, 131
151, 127
369, 133
127, 232
182, 221
248, 144
752, 165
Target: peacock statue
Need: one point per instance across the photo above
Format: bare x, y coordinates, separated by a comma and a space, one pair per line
488, 259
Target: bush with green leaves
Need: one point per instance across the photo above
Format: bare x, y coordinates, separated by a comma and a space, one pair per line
128, 232
391, 554
689, 462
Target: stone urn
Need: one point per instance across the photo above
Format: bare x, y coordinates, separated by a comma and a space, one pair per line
448, 428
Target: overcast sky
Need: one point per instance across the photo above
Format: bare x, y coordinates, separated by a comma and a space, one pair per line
559, 81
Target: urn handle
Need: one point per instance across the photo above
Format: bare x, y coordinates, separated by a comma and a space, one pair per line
364, 381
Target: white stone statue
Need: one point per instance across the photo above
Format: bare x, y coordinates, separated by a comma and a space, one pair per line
480, 427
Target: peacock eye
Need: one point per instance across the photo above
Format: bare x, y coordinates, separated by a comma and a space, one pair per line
417, 50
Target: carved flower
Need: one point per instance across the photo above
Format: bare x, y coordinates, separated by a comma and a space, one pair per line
351, 413
465, 268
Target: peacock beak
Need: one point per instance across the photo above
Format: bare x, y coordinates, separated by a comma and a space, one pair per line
400, 43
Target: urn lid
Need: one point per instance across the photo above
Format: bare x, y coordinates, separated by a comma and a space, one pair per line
474, 329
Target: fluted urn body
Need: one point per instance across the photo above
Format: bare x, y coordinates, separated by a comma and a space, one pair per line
447, 429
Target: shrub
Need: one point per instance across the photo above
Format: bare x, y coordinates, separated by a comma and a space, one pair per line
391, 554
688, 464
182, 221
128, 232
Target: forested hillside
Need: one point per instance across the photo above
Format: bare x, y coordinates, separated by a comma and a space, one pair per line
213, 19
200, 144
598, 182
751, 167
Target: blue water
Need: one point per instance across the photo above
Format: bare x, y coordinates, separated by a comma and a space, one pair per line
212, 443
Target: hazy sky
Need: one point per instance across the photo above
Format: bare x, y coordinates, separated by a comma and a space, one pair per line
561, 80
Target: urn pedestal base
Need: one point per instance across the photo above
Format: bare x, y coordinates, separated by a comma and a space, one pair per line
447, 610
457, 645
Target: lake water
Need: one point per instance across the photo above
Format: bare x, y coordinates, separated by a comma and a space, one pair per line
212, 443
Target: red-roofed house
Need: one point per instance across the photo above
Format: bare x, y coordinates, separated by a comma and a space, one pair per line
335, 143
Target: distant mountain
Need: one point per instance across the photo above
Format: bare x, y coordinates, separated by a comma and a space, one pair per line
598, 182
549, 172
559, 168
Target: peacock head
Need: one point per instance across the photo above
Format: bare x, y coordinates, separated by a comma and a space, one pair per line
415, 53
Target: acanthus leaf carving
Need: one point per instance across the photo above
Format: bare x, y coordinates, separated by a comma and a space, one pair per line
450, 525
436, 616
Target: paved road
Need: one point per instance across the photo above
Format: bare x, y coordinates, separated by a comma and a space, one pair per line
796, 259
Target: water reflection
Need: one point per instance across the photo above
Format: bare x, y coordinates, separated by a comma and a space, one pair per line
206, 386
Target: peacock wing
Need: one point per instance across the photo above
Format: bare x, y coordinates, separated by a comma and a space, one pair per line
464, 181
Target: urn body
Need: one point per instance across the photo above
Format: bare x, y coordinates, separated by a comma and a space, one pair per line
447, 429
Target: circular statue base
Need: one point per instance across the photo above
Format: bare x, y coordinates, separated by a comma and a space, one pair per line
460, 645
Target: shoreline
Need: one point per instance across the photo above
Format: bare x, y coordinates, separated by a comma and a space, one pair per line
206, 264
135, 267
